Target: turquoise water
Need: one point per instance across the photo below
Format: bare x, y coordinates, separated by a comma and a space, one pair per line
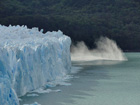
98, 83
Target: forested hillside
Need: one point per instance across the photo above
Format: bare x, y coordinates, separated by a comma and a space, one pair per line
85, 20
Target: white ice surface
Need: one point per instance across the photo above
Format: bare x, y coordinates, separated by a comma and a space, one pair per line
30, 59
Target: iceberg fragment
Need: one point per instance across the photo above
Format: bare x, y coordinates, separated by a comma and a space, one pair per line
32, 95
29, 59
35, 103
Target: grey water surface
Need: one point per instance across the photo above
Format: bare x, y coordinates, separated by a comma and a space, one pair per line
98, 83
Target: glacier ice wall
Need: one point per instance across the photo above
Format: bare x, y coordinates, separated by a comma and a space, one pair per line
7, 94
29, 59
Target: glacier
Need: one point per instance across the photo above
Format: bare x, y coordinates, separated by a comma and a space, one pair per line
29, 59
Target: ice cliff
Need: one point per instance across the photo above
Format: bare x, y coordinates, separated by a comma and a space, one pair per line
29, 59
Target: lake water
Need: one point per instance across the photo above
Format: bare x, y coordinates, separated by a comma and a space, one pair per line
98, 83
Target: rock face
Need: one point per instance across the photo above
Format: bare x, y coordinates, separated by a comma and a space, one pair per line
29, 59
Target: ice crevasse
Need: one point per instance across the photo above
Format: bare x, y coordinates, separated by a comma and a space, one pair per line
29, 59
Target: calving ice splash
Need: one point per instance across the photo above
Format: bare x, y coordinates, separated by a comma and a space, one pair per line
106, 49
29, 59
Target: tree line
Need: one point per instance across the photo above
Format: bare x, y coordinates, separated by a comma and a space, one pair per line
82, 20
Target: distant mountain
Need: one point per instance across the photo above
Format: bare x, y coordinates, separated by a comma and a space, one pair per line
85, 20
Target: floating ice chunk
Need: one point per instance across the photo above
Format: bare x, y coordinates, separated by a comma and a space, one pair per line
32, 95
35, 103
75, 69
64, 83
58, 90
41, 90
19, 99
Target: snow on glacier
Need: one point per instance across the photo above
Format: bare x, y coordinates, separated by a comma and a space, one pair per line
29, 59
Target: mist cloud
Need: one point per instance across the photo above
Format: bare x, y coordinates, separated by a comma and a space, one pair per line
107, 49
